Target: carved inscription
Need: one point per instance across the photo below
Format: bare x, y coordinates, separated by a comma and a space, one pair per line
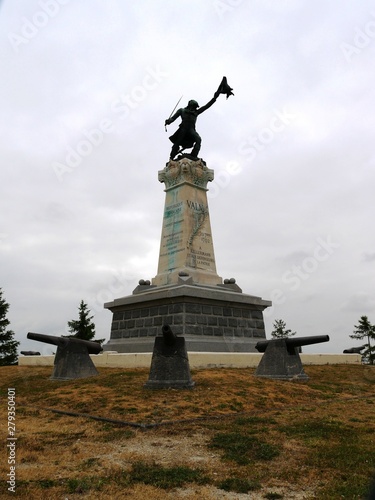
200, 213
196, 206
172, 242
186, 240
201, 259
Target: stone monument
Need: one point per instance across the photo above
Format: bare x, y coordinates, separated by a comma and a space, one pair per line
281, 359
187, 293
72, 358
170, 363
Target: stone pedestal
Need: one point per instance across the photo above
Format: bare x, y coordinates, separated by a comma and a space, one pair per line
187, 293
72, 362
169, 366
281, 362
186, 245
212, 319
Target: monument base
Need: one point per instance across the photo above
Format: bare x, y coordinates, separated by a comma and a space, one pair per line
281, 362
73, 362
211, 318
169, 365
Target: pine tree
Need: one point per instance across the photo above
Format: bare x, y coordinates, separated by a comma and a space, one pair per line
280, 331
8, 346
365, 329
82, 328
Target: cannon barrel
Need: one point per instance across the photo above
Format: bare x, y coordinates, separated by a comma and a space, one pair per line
92, 347
168, 335
354, 350
46, 339
261, 346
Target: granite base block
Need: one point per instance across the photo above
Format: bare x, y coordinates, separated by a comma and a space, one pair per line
211, 319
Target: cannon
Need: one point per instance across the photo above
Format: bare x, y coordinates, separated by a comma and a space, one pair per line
281, 359
72, 358
169, 363
293, 343
92, 347
30, 353
168, 336
355, 350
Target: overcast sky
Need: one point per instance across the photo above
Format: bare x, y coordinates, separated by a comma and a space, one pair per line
86, 87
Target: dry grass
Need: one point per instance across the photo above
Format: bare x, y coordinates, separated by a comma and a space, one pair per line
232, 432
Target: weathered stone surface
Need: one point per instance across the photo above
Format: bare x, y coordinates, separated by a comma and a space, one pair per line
73, 362
187, 293
279, 362
72, 358
186, 246
210, 318
169, 364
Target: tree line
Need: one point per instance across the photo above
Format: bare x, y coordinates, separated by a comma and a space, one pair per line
363, 331
82, 328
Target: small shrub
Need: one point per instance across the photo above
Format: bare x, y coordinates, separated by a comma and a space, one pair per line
242, 448
90, 462
254, 421
78, 485
317, 429
46, 483
84, 484
165, 477
239, 485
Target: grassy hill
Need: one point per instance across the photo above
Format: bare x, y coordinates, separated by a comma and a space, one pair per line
232, 436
